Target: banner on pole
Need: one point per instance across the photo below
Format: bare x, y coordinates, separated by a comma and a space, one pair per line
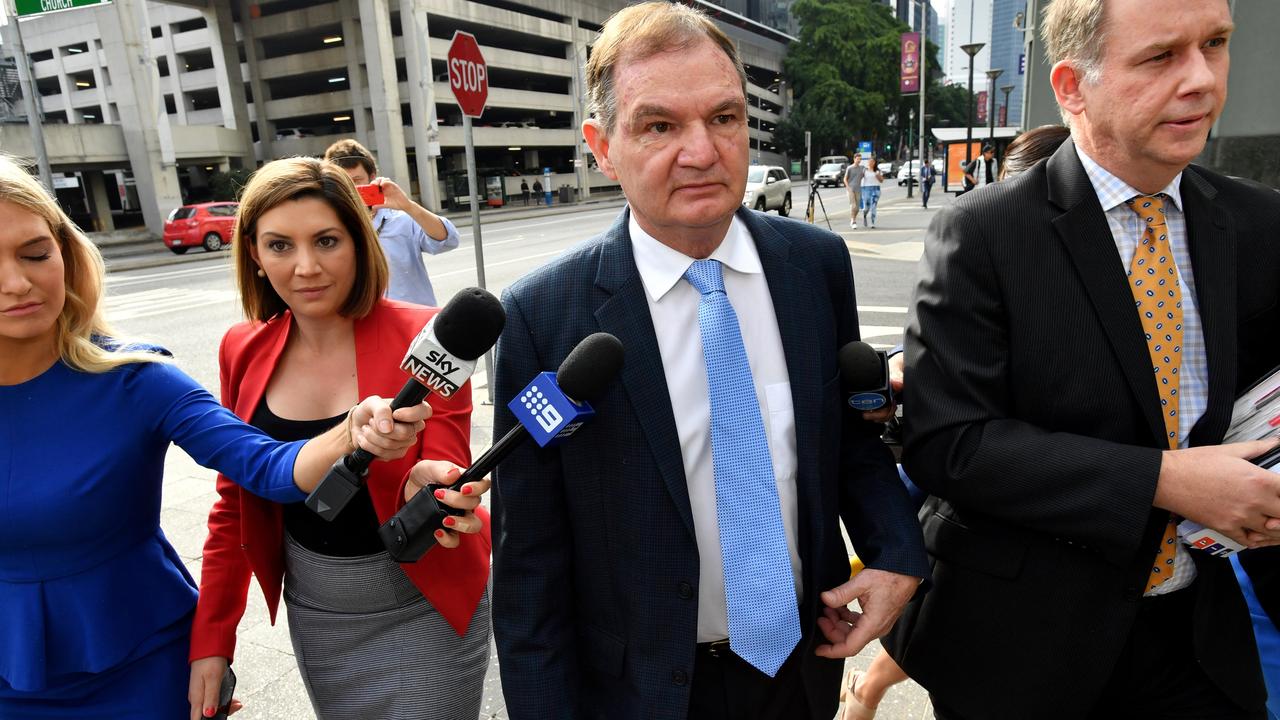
910, 63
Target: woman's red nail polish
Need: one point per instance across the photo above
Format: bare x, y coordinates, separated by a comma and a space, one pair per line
439, 534
466, 489
439, 494
209, 712
450, 522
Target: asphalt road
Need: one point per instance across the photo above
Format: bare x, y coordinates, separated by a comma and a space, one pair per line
187, 307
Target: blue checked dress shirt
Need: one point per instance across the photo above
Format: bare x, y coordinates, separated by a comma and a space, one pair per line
1193, 384
764, 621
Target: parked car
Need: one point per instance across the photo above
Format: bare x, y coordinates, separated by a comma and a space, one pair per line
830, 174
289, 133
207, 225
768, 188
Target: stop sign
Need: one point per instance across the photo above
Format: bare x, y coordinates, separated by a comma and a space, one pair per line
468, 75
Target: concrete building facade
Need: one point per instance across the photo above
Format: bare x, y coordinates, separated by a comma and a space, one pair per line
143, 101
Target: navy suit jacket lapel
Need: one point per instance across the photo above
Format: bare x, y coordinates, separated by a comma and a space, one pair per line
624, 312
1082, 228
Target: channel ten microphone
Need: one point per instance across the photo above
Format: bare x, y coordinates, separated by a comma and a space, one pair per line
440, 360
550, 410
864, 375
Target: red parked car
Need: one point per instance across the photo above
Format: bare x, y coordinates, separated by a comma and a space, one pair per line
207, 225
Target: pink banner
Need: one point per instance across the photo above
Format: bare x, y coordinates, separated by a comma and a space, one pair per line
910, 63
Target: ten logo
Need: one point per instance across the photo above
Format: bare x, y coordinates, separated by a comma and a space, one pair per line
541, 409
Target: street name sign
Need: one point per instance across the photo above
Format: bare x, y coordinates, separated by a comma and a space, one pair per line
35, 7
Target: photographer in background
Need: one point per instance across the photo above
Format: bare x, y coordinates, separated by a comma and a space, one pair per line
405, 228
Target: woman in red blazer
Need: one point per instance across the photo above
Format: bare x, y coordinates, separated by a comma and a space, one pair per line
311, 276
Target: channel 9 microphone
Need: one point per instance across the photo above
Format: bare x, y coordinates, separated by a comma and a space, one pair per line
440, 360
550, 410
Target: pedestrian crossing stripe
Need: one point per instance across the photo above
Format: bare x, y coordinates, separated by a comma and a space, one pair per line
161, 301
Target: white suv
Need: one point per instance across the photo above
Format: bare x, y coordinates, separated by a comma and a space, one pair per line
768, 188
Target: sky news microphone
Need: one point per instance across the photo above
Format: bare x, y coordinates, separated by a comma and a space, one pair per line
864, 375
550, 409
440, 360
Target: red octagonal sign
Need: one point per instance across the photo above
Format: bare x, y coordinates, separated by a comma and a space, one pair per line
468, 75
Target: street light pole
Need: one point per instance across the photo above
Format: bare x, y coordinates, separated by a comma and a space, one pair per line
992, 74
971, 49
27, 83
924, 79
1006, 89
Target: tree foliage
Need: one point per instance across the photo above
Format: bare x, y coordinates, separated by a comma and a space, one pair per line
844, 74
949, 105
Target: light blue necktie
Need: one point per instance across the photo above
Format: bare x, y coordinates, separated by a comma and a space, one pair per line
759, 589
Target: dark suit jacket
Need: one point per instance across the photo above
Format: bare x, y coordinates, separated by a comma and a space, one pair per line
595, 563
1035, 423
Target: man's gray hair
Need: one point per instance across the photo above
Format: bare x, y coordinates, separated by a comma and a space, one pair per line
641, 31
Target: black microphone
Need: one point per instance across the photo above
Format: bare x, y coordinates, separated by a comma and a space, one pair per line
550, 410
864, 376
440, 360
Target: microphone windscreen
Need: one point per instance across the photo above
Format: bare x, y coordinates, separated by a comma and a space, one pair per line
470, 323
590, 367
861, 367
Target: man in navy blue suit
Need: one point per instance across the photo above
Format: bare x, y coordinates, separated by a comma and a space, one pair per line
682, 556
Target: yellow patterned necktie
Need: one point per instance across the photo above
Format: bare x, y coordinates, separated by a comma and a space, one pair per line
1153, 278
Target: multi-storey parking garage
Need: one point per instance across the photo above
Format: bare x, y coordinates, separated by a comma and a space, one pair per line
143, 101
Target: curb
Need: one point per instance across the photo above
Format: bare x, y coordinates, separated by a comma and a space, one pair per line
463, 219
157, 260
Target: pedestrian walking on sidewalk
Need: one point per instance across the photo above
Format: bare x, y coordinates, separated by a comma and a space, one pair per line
312, 275
537, 192
871, 181
524, 190
927, 179
853, 185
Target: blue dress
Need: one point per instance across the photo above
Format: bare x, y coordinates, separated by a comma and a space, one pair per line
95, 605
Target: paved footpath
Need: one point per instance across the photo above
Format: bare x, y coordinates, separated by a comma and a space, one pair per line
269, 684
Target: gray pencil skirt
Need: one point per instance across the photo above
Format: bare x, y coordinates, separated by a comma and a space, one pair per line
370, 646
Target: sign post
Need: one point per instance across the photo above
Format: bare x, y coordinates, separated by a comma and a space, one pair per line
469, 80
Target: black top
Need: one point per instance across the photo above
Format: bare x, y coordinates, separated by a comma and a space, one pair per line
355, 531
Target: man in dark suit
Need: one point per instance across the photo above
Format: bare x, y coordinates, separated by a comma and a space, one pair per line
1076, 340
682, 556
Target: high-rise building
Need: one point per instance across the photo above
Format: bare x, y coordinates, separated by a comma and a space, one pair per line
968, 22
1008, 25
144, 100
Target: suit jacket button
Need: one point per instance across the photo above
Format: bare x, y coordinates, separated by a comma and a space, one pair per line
680, 677
686, 590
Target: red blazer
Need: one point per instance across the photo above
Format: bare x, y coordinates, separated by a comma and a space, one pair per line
246, 532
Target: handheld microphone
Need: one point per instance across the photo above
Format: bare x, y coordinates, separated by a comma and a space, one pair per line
440, 360
550, 409
864, 375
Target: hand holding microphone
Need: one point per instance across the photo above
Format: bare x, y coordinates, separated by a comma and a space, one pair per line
440, 359
550, 409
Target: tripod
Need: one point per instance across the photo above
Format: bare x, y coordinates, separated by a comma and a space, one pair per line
808, 208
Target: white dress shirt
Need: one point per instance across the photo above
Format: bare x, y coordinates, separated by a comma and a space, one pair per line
1193, 384
673, 305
